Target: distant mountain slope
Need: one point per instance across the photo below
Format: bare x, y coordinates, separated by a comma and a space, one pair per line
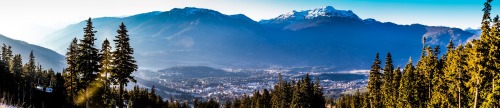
318, 37
45, 57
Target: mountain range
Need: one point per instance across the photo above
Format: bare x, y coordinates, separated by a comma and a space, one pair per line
318, 37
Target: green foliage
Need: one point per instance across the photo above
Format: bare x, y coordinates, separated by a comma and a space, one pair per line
388, 87
124, 63
375, 83
69, 73
408, 94
86, 62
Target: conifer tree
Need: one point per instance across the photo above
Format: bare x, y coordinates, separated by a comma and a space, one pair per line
374, 84
7, 55
87, 61
29, 75
256, 99
281, 94
469, 69
387, 87
493, 64
265, 100
356, 103
318, 100
307, 92
70, 72
124, 63
440, 96
456, 77
396, 83
408, 94
480, 78
426, 67
298, 96
17, 68
106, 67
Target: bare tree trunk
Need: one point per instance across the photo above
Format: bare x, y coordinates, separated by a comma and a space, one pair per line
120, 100
88, 99
459, 97
476, 96
106, 87
460, 88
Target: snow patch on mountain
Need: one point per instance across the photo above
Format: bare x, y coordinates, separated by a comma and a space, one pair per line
327, 11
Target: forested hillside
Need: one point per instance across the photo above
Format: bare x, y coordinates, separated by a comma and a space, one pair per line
465, 76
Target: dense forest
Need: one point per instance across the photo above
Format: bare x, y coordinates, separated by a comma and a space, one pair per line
465, 76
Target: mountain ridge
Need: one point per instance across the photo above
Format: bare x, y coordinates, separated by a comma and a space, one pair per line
43, 56
197, 36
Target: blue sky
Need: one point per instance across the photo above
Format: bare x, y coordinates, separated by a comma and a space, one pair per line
31, 20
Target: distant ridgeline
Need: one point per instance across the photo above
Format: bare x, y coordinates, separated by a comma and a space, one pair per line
466, 76
318, 37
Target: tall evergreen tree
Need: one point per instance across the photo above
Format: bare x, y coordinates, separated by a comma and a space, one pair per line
408, 94
493, 64
388, 77
298, 96
456, 77
426, 67
480, 77
318, 100
7, 55
29, 74
256, 103
265, 100
396, 83
123, 60
440, 96
70, 72
87, 61
17, 68
374, 84
106, 67
281, 94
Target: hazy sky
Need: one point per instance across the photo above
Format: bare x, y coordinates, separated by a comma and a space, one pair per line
31, 20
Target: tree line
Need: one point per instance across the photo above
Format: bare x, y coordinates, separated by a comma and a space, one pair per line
93, 78
304, 93
97, 77
24, 84
465, 76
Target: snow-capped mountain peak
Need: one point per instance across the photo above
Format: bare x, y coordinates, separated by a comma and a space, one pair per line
327, 11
